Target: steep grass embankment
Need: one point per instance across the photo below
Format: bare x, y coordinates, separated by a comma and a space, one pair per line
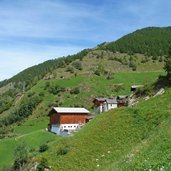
135, 138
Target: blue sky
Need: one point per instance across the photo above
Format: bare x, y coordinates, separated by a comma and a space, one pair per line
32, 31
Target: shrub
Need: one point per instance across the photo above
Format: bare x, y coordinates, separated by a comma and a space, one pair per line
77, 65
134, 68
75, 91
55, 89
70, 69
42, 165
21, 156
161, 59
63, 151
97, 72
43, 148
41, 94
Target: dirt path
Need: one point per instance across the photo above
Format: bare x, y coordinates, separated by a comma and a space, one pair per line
42, 130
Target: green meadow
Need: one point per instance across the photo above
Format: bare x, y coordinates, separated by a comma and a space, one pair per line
32, 130
136, 138
92, 86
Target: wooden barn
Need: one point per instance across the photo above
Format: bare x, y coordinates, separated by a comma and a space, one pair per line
67, 119
122, 101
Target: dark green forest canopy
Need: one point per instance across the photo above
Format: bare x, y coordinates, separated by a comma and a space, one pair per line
151, 41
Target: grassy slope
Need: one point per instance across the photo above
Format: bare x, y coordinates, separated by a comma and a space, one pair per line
92, 86
137, 138
31, 130
109, 63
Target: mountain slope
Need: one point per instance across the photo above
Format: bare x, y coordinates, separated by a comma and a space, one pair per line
73, 81
30, 128
135, 138
152, 41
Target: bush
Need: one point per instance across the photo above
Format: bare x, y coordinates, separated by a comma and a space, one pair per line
43, 164
134, 68
75, 91
43, 148
70, 69
77, 65
21, 156
63, 151
97, 72
147, 90
55, 89
25, 110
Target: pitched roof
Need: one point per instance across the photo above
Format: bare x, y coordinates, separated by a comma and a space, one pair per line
70, 110
111, 100
122, 97
100, 98
108, 100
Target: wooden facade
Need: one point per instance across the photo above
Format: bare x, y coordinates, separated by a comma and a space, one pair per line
67, 118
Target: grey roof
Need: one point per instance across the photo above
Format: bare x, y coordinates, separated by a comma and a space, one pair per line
107, 100
111, 100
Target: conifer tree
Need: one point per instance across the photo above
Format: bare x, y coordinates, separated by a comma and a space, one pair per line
167, 66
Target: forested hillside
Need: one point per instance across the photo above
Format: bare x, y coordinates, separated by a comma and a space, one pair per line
151, 41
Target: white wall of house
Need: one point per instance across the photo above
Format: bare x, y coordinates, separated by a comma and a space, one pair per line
69, 126
57, 129
111, 106
104, 108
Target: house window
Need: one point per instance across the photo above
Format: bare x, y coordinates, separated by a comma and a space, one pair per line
64, 126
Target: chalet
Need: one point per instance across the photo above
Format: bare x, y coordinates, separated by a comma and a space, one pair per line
122, 100
102, 104
67, 119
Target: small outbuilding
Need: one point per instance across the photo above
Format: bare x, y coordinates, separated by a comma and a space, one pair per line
135, 87
64, 119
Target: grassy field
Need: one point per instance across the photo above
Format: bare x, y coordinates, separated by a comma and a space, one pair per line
92, 86
32, 132
137, 138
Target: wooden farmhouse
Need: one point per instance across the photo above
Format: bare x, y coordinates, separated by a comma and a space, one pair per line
104, 104
122, 100
67, 119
